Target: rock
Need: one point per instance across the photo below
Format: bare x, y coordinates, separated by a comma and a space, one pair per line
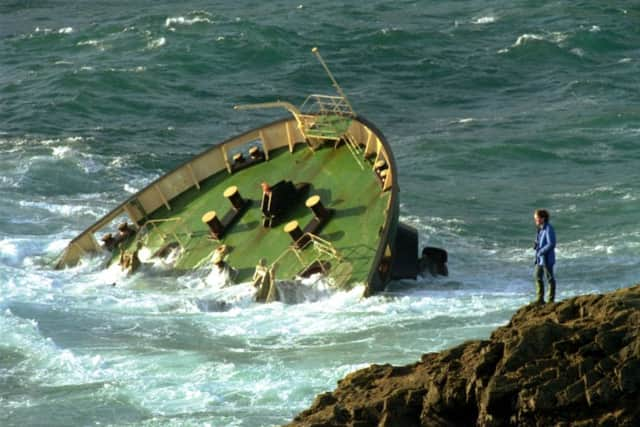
573, 363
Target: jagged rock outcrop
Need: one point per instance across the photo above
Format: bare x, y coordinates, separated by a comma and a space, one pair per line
572, 363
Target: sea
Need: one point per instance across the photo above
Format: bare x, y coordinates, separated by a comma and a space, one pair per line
492, 108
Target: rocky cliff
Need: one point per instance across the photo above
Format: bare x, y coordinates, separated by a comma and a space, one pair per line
572, 363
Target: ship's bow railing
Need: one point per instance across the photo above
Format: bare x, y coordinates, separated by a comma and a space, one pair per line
327, 104
321, 118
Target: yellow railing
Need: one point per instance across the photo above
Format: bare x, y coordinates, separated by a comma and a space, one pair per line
323, 249
326, 104
152, 224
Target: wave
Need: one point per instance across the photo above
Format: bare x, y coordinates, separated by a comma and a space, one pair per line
34, 164
583, 42
156, 43
522, 40
181, 20
155, 287
8, 250
464, 121
44, 360
63, 30
31, 253
89, 43
553, 44
100, 45
64, 210
483, 20
17, 143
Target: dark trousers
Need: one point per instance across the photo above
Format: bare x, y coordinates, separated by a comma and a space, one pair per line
540, 273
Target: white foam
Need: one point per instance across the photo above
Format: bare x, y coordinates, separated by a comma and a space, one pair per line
45, 360
8, 182
586, 194
584, 249
312, 289
524, 38
134, 185
483, 20
89, 43
138, 69
57, 246
130, 189
181, 20
118, 161
64, 210
156, 43
218, 279
8, 249
558, 37
61, 152
98, 44
578, 52
68, 149
388, 30
64, 30
435, 225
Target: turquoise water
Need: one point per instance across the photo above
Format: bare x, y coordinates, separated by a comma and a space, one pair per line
492, 109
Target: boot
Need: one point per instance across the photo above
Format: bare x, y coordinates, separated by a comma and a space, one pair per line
552, 291
539, 292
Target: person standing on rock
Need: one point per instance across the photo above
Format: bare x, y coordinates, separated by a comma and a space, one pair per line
544, 246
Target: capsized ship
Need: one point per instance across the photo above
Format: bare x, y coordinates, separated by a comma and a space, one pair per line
313, 193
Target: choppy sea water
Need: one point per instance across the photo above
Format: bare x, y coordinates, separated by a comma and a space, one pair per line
492, 109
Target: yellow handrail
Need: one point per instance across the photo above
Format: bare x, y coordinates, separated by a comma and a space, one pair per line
321, 247
154, 222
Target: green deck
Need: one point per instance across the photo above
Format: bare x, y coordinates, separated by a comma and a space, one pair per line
355, 195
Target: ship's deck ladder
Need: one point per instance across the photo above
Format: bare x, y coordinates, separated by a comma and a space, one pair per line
355, 149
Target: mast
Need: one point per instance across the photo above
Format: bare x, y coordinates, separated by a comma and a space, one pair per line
316, 52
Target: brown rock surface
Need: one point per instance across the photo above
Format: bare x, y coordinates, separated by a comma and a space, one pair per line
572, 363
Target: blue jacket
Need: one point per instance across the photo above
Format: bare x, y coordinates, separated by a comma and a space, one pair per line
546, 246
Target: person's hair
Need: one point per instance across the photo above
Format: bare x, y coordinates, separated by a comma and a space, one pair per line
542, 213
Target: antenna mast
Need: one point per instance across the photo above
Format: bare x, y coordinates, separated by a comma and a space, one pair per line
333, 80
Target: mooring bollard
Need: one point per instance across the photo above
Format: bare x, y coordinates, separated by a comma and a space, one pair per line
315, 204
234, 197
212, 220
